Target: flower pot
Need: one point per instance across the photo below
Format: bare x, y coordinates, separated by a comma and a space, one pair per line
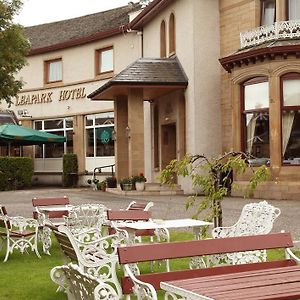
127, 186
140, 186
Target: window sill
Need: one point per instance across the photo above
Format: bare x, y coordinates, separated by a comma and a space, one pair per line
105, 75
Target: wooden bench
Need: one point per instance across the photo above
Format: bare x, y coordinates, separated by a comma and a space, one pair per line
142, 284
50, 220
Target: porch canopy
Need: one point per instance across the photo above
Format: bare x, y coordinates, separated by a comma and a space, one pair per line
18, 135
155, 76
146, 79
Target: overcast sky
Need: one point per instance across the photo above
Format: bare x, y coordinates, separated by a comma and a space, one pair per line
44, 11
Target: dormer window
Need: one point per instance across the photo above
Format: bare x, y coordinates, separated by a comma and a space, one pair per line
293, 9
267, 12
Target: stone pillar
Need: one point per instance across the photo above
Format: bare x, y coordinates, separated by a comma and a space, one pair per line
78, 142
274, 126
136, 131
121, 142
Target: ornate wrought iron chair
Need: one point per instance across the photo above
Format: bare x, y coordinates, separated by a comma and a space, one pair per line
256, 218
18, 233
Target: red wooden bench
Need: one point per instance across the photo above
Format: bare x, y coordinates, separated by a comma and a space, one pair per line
52, 219
159, 251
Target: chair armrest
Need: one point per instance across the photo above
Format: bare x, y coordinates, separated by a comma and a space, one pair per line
140, 288
289, 254
221, 232
22, 223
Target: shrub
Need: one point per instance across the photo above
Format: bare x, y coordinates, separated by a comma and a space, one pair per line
70, 170
16, 172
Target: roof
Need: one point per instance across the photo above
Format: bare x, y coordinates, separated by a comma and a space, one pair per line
61, 34
269, 50
148, 72
148, 13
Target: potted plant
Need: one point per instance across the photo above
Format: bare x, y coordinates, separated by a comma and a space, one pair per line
126, 184
111, 182
102, 185
139, 182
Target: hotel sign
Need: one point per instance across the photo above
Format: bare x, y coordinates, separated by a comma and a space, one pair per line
48, 97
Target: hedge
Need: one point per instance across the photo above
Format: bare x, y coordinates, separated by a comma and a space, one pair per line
70, 170
15, 172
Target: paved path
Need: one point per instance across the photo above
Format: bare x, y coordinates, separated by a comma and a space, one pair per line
165, 207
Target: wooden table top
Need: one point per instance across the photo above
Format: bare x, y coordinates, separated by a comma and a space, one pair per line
277, 283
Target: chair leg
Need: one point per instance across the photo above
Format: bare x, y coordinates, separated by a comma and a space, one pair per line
8, 250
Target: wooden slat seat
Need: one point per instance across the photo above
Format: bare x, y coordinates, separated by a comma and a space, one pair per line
174, 250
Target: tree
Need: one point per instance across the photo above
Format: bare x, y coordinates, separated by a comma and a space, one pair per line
13, 49
214, 177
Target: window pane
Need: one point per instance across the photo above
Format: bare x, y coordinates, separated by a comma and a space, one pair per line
69, 141
38, 151
104, 118
69, 122
53, 124
89, 120
291, 92
268, 12
257, 135
104, 142
291, 137
294, 9
55, 150
257, 96
55, 71
38, 125
106, 61
90, 142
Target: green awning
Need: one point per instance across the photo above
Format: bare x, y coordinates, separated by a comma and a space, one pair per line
19, 135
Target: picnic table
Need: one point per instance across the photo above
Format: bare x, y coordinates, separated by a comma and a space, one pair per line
277, 283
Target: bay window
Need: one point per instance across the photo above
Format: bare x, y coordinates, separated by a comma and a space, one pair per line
290, 118
255, 118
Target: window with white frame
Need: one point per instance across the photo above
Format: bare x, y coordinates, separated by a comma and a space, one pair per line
63, 127
267, 12
100, 135
104, 60
53, 70
290, 118
255, 117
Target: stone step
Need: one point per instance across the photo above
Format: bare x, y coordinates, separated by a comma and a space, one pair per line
161, 187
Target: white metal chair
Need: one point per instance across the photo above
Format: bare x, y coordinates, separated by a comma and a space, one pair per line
256, 218
18, 233
133, 205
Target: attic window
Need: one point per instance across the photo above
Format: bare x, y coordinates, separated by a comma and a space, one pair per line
104, 60
53, 70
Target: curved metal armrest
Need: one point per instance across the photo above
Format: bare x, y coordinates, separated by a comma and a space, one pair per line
291, 255
141, 288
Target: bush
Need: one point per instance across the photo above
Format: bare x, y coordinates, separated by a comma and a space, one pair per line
15, 172
70, 170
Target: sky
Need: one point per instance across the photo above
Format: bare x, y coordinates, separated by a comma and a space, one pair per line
36, 12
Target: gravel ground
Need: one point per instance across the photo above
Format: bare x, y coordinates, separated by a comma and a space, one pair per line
165, 207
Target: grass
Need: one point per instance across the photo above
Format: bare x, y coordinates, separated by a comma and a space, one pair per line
27, 277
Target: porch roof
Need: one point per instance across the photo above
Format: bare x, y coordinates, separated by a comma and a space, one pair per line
156, 76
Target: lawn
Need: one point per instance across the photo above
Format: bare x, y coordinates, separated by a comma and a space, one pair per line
27, 277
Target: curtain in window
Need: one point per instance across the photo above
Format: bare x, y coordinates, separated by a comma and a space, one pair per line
268, 12
287, 124
55, 71
106, 61
250, 132
294, 9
